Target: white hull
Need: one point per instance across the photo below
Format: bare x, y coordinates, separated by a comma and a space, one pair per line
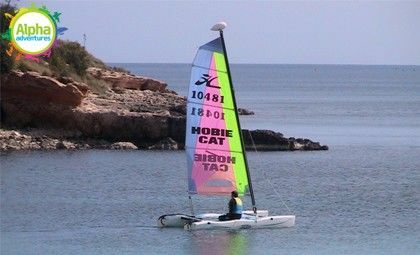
175, 220
210, 221
283, 221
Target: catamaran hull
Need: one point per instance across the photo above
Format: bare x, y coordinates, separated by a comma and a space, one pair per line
178, 220
284, 221
210, 221
175, 220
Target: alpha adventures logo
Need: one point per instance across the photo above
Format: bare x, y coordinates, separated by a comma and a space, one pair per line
32, 32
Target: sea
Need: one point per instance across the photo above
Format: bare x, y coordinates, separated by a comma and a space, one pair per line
362, 196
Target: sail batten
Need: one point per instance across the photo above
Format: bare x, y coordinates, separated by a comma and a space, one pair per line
203, 148
215, 157
211, 105
203, 67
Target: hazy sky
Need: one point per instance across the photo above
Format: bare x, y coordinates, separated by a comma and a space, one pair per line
313, 32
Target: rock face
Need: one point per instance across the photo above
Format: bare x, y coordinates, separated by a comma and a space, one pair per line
165, 144
242, 111
79, 85
127, 81
30, 98
140, 116
33, 87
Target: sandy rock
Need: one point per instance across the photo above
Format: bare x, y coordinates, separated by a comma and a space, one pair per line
65, 145
35, 88
123, 146
165, 144
127, 81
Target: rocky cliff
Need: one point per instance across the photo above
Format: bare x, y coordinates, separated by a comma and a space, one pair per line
133, 109
145, 114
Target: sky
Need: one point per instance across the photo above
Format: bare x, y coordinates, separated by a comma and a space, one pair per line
272, 32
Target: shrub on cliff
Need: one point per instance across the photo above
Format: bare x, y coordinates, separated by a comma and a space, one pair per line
4, 21
69, 57
25, 65
6, 62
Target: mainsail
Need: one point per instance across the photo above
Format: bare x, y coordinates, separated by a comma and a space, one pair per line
215, 156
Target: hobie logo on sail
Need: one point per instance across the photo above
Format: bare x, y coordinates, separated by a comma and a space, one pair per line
211, 135
207, 79
213, 162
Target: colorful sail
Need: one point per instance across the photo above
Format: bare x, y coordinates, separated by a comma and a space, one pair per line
215, 157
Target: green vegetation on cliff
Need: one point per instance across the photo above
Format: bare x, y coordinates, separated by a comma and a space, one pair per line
68, 59
6, 62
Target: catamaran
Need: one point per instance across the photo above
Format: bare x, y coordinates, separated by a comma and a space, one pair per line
216, 158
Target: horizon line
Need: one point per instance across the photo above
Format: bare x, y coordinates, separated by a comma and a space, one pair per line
300, 64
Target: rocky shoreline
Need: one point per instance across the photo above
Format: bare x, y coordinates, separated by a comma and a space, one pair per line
41, 139
14, 140
44, 113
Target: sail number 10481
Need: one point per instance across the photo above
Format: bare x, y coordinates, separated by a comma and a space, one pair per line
208, 113
208, 96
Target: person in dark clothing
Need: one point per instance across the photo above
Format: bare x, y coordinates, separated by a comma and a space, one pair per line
235, 208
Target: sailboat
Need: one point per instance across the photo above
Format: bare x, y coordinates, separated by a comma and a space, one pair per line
216, 158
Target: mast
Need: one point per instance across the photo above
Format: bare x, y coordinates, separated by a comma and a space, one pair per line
219, 27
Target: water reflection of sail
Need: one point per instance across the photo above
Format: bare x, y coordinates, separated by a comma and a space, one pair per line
219, 243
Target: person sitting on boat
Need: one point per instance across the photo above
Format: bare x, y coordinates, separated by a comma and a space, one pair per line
235, 208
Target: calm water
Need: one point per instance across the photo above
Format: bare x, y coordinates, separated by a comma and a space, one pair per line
360, 197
